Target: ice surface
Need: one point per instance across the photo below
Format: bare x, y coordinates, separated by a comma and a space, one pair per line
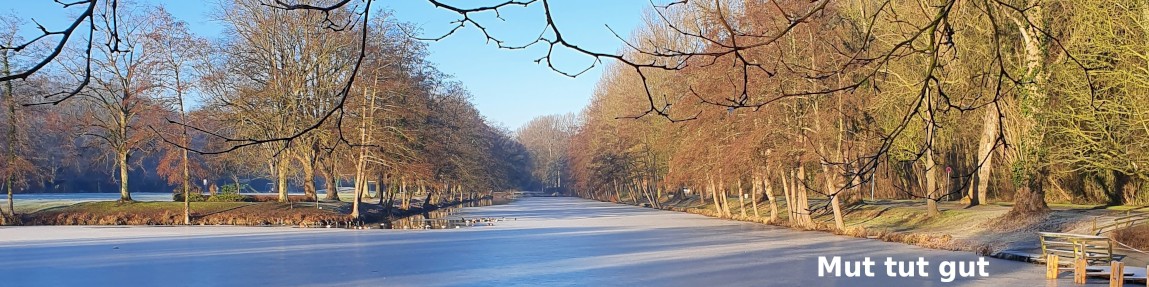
547, 242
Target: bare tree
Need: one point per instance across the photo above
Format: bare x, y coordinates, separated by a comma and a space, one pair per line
124, 83
181, 57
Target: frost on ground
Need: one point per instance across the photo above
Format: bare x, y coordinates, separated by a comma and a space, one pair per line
544, 242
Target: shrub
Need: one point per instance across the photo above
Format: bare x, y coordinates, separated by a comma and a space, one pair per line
232, 188
227, 197
1136, 236
275, 198
229, 193
194, 195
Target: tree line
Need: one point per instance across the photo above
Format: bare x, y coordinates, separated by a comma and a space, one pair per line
1011, 100
156, 99
823, 104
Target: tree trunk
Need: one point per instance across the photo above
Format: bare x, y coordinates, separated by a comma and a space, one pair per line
714, 197
355, 204
769, 188
931, 185
330, 181
755, 189
786, 191
931, 166
391, 190
741, 198
122, 160
380, 187
834, 190
985, 147
308, 177
802, 204
187, 181
989, 133
725, 198
281, 177
617, 194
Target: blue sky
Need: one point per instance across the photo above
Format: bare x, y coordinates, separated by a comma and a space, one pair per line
508, 86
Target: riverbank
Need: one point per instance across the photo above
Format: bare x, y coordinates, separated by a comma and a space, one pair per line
981, 229
299, 213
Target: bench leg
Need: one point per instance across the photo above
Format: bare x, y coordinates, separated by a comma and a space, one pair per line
1051, 265
1079, 271
1116, 274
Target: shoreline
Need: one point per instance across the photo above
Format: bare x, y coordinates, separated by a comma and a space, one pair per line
981, 230
64, 212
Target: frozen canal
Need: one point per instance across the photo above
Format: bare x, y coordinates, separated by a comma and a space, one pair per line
553, 242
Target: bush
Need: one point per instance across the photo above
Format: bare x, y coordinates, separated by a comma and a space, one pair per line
1136, 236
194, 195
275, 198
232, 188
227, 197
229, 193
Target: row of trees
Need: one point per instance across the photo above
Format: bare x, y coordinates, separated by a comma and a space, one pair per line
931, 100
547, 139
156, 95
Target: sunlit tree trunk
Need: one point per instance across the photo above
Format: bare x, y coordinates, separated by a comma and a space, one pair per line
741, 199
308, 165
755, 189
768, 186
787, 191
725, 194
406, 194
931, 166
835, 191
281, 171
185, 140
802, 203
985, 154
330, 179
714, 196
122, 161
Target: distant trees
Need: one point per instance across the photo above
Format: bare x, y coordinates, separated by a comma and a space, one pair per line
548, 139
269, 87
